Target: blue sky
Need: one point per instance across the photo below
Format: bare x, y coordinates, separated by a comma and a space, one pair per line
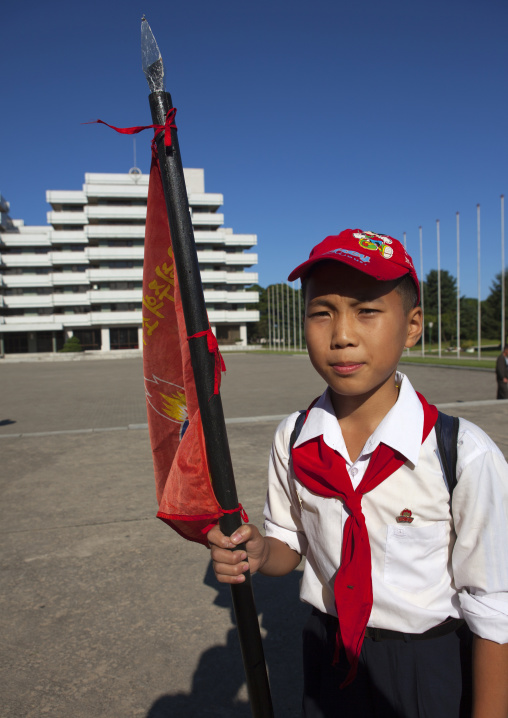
308, 117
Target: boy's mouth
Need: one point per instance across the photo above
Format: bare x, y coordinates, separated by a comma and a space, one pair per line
344, 368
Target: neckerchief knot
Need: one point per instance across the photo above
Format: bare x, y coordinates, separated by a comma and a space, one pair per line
354, 504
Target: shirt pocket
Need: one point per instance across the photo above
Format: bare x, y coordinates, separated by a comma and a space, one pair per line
416, 556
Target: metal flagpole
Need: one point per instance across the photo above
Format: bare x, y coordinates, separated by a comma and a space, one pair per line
294, 316
503, 333
274, 317
278, 317
269, 318
300, 318
290, 323
289, 317
479, 316
421, 291
203, 362
283, 321
272, 289
270, 315
438, 290
281, 316
458, 285
405, 247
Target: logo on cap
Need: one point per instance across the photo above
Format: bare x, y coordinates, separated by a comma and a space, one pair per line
373, 242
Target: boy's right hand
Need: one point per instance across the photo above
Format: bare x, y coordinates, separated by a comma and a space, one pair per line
230, 566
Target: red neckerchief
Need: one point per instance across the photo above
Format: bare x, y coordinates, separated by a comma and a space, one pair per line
323, 471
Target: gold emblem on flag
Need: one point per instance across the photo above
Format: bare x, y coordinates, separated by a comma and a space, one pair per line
175, 406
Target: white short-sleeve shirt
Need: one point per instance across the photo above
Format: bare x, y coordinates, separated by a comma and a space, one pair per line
422, 571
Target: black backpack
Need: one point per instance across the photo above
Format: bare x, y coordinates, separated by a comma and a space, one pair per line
447, 431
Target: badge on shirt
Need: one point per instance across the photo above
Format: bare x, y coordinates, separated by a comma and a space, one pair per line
405, 517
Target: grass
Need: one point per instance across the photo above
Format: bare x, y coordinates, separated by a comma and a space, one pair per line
449, 361
466, 360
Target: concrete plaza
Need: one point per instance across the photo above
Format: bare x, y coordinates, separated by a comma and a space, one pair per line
104, 611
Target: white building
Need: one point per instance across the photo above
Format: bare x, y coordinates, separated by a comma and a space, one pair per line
82, 274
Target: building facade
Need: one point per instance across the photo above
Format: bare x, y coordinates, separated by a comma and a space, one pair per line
82, 274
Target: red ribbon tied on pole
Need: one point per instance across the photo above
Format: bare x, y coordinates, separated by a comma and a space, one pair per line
239, 509
213, 348
166, 127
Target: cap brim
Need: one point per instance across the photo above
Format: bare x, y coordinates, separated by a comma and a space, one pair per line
390, 271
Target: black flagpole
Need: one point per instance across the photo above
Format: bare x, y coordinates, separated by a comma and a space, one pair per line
203, 365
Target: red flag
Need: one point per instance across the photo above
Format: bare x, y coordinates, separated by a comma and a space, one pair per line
182, 480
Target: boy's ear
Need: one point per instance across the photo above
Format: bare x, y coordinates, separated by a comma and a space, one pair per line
414, 327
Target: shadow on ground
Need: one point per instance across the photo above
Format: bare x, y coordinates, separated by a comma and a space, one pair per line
219, 677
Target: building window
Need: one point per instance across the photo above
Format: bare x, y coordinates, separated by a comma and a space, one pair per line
89, 338
124, 338
228, 334
16, 343
44, 341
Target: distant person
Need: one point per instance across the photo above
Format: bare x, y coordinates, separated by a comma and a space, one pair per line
502, 374
392, 570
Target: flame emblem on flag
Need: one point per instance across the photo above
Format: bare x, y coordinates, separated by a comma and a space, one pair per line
168, 400
175, 406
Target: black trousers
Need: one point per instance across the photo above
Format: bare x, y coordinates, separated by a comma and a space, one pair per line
502, 390
395, 679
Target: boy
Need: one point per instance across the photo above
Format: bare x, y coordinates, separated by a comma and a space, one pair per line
390, 575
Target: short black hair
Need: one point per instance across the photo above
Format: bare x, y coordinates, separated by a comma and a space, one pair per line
405, 287
408, 293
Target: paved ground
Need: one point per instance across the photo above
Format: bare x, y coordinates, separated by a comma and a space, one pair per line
104, 611
55, 396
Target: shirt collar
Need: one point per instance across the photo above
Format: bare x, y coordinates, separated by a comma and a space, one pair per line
401, 428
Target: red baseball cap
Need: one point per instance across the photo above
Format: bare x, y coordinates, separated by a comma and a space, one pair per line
378, 255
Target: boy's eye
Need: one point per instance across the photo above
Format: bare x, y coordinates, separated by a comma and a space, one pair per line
321, 313
368, 310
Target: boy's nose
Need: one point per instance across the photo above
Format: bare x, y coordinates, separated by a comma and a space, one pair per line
343, 332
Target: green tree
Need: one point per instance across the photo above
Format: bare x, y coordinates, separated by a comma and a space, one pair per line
448, 292
448, 305
468, 321
72, 345
257, 331
491, 309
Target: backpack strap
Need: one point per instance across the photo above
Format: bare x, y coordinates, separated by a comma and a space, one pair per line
447, 431
300, 419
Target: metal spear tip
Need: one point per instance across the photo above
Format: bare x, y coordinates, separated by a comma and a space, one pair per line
151, 58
